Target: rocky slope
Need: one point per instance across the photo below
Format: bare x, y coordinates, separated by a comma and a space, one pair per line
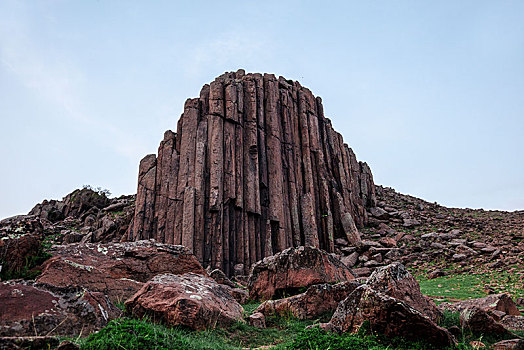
430, 238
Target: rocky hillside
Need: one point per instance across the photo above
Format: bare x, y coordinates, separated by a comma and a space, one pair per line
84, 216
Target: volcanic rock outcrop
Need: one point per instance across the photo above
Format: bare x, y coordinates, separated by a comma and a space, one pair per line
254, 168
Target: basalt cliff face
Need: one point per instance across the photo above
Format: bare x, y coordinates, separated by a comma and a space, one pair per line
254, 168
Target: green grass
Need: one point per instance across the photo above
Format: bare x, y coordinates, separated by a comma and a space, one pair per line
131, 334
470, 286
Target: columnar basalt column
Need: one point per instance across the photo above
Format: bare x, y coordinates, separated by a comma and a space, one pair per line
254, 168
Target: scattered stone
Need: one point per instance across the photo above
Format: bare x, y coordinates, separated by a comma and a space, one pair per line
220, 277
475, 344
436, 273
241, 295
388, 242
190, 300
350, 260
257, 319
459, 257
379, 213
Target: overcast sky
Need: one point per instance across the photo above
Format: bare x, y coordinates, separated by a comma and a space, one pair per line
429, 93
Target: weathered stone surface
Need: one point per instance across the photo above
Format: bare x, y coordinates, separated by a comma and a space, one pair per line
315, 301
115, 269
190, 300
388, 316
254, 168
257, 320
221, 278
286, 272
396, 281
20, 239
512, 344
494, 302
478, 321
514, 323
28, 308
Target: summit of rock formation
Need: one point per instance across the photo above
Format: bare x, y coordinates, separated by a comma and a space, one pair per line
253, 168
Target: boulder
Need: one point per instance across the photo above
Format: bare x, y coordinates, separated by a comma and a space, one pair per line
28, 309
316, 301
257, 320
388, 316
478, 321
289, 271
220, 277
396, 281
190, 300
241, 295
494, 302
511, 344
116, 269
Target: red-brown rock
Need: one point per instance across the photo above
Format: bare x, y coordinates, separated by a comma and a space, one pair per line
115, 269
315, 301
253, 168
513, 323
478, 321
27, 308
396, 281
287, 272
494, 302
190, 300
388, 316
20, 241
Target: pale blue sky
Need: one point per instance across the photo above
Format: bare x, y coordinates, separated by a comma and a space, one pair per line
429, 93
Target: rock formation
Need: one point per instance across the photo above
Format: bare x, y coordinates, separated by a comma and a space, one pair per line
254, 168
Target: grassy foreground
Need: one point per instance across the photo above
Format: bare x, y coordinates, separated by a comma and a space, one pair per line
290, 333
282, 333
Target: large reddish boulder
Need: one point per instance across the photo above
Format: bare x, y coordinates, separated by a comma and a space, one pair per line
388, 316
293, 269
396, 281
27, 309
316, 301
494, 302
20, 243
116, 269
190, 300
479, 321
